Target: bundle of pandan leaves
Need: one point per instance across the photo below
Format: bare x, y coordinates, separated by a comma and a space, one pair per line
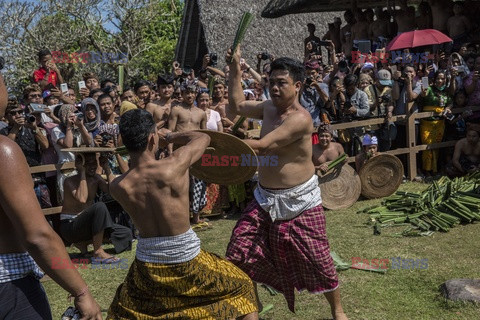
443, 205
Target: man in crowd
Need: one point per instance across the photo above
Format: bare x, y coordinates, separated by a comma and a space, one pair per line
466, 157
315, 93
48, 71
346, 33
142, 90
82, 220
187, 117
160, 109
105, 101
25, 235
405, 17
299, 258
91, 83
311, 37
356, 103
169, 265
325, 150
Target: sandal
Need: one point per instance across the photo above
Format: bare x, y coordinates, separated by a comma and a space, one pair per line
111, 260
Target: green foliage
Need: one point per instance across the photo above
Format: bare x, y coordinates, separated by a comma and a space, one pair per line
160, 36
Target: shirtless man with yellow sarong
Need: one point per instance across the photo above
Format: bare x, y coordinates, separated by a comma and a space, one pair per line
171, 277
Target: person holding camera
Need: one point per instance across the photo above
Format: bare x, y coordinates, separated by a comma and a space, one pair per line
381, 105
48, 71
314, 93
24, 130
311, 38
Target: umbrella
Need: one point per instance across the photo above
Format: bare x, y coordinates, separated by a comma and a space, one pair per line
417, 38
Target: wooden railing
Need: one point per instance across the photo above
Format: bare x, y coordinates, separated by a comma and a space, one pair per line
411, 150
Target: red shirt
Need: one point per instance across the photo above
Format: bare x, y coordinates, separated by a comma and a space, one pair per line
39, 75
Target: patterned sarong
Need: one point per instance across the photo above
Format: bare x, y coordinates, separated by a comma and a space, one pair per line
206, 287
217, 199
198, 194
284, 254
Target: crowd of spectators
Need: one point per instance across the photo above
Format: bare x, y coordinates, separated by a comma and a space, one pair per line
49, 117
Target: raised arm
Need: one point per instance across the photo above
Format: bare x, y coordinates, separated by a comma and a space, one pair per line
236, 99
43, 244
193, 144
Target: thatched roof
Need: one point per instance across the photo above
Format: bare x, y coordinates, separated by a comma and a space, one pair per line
279, 8
210, 26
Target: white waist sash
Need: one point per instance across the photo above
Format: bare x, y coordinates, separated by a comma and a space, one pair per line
286, 204
169, 250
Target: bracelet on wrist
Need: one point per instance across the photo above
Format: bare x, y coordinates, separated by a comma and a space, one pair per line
75, 296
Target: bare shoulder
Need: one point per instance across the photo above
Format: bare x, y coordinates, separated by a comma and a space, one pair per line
10, 154
302, 119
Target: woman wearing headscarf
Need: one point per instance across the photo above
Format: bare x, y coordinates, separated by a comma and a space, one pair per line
91, 114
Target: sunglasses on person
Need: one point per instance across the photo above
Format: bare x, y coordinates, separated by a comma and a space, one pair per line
31, 96
15, 112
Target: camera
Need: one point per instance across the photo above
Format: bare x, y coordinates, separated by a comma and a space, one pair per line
213, 59
386, 98
36, 108
79, 115
31, 119
308, 81
315, 47
106, 138
186, 71
265, 56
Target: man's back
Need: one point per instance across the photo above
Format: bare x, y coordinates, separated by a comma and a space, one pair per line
155, 196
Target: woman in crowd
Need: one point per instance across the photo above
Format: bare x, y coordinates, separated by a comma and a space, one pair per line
434, 98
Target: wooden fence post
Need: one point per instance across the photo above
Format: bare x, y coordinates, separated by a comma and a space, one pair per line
411, 144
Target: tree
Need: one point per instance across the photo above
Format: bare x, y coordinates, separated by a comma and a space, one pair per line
146, 30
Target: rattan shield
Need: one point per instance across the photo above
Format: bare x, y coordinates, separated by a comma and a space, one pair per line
228, 160
340, 187
89, 149
381, 176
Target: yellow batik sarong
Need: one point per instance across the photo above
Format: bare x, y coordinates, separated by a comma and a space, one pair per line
431, 131
206, 287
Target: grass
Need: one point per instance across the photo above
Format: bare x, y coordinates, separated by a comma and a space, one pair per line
399, 294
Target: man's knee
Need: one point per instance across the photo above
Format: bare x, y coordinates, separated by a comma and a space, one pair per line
100, 208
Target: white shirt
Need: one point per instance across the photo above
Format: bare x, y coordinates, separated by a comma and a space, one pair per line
212, 123
63, 157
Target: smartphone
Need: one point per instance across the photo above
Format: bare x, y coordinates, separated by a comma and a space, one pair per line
64, 88
81, 85
424, 82
449, 116
324, 43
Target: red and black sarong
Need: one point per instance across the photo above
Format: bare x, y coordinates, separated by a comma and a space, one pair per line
285, 254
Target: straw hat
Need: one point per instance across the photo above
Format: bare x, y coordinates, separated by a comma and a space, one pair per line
210, 168
381, 176
340, 187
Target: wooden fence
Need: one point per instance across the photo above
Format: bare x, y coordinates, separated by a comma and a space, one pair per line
411, 150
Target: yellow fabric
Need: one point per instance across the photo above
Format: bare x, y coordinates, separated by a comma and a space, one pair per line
431, 131
206, 287
126, 106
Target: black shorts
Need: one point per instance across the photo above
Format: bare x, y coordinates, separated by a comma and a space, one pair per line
24, 298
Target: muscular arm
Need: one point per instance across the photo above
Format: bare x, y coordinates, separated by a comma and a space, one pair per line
172, 119
193, 145
236, 99
292, 129
23, 210
78, 191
